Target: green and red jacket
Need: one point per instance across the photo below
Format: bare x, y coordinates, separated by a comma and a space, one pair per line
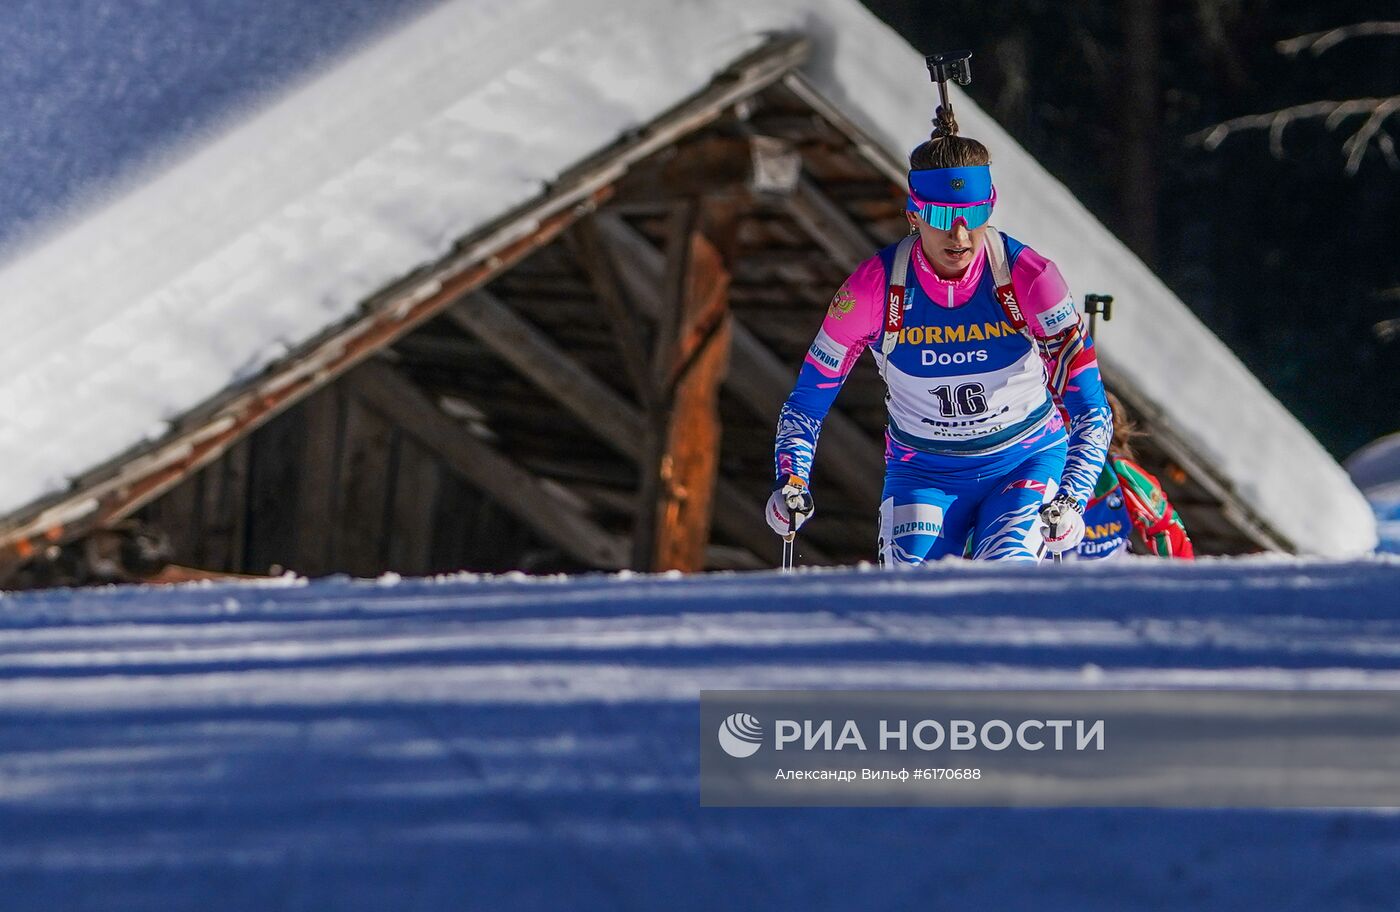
1127, 497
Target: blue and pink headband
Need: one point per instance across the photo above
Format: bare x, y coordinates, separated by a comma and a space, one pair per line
942, 196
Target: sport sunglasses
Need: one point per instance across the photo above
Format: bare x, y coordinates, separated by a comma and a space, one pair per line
944, 215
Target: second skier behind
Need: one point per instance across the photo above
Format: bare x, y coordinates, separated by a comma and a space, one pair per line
976, 336
1127, 498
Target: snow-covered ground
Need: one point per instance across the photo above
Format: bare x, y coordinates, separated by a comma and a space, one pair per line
519, 744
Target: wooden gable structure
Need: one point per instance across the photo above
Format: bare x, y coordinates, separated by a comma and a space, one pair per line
589, 382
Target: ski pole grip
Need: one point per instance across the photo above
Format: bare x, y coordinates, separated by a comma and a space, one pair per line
1101, 304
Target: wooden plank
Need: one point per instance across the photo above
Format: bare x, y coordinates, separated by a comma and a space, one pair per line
224, 512
438, 349
177, 514
591, 252
451, 545
796, 125
737, 513
690, 464
828, 225
470, 532
892, 166
717, 557
416, 482
692, 358
381, 389
359, 547
670, 293
536, 357
668, 311
319, 481
595, 405
273, 475
756, 376
714, 165
708, 281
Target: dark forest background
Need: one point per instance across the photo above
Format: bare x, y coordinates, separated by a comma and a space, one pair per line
1290, 260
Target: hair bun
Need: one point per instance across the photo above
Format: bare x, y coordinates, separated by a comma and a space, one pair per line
946, 149
944, 124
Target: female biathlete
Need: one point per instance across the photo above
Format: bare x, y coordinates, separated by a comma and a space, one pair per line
979, 339
1127, 498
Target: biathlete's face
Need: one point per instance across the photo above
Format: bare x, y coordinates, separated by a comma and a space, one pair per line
949, 251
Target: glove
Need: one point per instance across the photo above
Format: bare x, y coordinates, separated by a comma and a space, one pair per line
1065, 516
789, 506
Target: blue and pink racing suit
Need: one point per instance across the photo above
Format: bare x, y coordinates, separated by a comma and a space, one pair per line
975, 442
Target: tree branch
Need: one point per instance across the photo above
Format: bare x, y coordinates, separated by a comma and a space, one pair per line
1355, 146
1378, 110
1320, 42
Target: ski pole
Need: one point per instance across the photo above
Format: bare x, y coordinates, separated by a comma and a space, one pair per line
943, 67
1057, 556
1095, 304
789, 541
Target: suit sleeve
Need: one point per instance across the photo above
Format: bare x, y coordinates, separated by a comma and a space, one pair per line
853, 322
1072, 365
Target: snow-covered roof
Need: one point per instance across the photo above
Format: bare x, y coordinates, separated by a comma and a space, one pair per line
256, 242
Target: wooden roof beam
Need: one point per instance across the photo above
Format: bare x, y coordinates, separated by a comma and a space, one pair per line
590, 251
757, 377
534, 356
691, 354
596, 405
552, 516
714, 165
828, 225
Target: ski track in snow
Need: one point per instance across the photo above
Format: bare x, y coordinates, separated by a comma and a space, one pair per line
508, 742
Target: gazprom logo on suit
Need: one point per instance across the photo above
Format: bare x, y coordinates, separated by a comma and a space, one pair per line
822, 356
917, 519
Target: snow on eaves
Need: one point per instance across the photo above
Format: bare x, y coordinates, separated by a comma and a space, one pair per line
217, 266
